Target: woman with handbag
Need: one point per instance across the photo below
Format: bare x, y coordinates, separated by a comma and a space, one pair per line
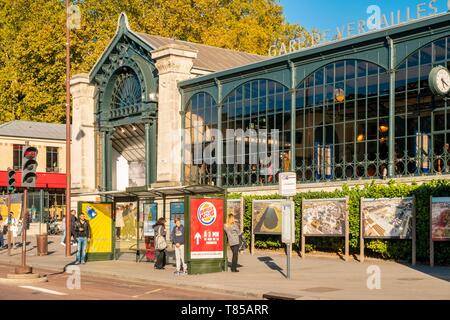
233, 234
160, 243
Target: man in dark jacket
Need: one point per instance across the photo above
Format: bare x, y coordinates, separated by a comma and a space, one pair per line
83, 234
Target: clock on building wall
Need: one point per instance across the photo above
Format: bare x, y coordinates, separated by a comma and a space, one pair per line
439, 80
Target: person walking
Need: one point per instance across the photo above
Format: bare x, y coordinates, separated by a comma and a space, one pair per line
14, 227
177, 236
73, 220
160, 247
2, 238
83, 234
63, 227
233, 234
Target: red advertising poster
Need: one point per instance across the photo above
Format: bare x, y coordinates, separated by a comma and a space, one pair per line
206, 228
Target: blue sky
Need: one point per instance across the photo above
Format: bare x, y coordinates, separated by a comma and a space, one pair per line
329, 14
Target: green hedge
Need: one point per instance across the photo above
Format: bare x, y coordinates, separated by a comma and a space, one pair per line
388, 249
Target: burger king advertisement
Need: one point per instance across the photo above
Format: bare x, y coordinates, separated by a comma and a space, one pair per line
206, 232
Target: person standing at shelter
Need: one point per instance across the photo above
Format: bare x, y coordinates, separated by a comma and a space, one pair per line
83, 234
233, 233
160, 245
177, 237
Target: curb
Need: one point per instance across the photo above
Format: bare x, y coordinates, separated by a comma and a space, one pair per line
15, 281
173, 284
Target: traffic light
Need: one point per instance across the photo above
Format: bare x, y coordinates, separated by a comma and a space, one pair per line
11, 180
29, 165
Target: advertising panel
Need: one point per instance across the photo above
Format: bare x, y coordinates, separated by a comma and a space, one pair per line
440, 219
150, 217
16, 205
324, 217
387, 218
267, 217
176, 211
236, 207
100, 219
206, 228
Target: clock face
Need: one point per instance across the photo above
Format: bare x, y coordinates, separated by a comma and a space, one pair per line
440, 80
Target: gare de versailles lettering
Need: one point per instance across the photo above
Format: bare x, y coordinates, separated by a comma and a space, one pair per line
375, 21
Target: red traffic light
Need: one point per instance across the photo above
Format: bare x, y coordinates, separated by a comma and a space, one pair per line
30, 152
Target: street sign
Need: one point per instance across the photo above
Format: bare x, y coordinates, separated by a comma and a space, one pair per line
206, 229
287, 184
288, 222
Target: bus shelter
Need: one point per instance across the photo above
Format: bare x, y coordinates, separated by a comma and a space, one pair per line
137, 209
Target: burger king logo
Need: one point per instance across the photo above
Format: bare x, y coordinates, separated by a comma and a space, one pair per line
207, 213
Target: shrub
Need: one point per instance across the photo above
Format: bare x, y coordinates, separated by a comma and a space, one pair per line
388, 249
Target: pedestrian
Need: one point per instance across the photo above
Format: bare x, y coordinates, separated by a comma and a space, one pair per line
83, 234
177, 237
233, 234
2, 238
63, 227
160, 245
14, 227
73, 220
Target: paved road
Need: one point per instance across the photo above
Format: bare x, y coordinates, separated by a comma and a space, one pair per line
95, 288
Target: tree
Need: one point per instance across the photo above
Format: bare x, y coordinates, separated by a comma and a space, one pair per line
32, 40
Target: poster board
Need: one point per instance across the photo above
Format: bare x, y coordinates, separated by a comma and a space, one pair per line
176, 211
236, 207
16, 205
150, 218
99, 215
205, 245
387, 218
439, 222
267, 217
325, 218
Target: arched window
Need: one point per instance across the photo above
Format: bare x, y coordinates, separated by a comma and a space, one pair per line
126, 90
256, 124
422, 120
342, 117
200, 151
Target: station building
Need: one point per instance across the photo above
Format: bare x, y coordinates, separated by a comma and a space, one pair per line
348, 112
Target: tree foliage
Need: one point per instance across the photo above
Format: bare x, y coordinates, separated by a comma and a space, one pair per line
32, 40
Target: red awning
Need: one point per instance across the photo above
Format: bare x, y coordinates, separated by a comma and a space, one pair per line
45, 180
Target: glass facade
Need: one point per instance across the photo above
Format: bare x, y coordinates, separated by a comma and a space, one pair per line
342, 116
258, 106
342, 124
422, 120
200, 119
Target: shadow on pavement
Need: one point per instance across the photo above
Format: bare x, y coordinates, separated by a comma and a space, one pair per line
271, 264
440, 272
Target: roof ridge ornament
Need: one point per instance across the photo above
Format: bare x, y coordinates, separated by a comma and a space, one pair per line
122, 23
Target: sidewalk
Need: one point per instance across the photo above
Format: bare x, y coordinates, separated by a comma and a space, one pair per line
312, 278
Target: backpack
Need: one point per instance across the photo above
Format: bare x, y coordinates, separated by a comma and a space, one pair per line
160, 241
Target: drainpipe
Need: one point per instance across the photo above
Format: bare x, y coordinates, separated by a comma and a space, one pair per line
392, 56
182, 142
293, 114
219, 126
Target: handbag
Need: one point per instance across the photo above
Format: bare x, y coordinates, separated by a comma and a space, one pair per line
160, 241
242, 242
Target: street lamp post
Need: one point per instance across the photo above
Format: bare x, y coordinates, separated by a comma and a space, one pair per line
68, 180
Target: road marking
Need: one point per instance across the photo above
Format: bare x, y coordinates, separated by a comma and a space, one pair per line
44, 290
148, 292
